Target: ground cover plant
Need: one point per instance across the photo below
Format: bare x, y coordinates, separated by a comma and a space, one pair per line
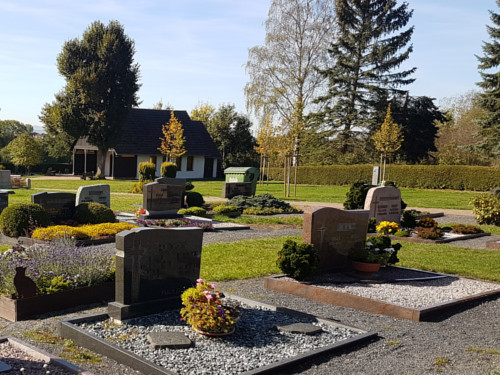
82, 232
56, 266
172, 223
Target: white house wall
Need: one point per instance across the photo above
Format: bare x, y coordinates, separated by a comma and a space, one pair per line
198, 168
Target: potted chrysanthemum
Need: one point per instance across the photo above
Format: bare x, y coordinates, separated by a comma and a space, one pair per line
378, 251
206, 311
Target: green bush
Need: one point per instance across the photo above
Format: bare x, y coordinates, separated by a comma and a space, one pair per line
486, 207
189, 185
194, 199
147, 171
466, 229
259, 201
372, 225
224, 210
94, 213
427, 233
20, 219
298, 260
168, 169
408, 219
355, 197
196, 211
457, 177
266, 211
137, 188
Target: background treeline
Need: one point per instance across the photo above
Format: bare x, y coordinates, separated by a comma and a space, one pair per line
411, 176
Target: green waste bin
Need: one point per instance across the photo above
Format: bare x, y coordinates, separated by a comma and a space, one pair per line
243, 174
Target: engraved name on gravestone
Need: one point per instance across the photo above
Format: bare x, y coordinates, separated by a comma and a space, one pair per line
335, 233
384, 203
154, 264
99, 193
60, 206
232, 189
5, 179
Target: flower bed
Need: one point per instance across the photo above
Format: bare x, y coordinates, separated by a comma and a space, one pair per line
169, 223
81, 232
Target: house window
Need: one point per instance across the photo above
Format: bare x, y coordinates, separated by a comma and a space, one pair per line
178, 161
189, 166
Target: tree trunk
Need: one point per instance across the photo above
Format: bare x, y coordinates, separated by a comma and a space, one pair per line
101, 163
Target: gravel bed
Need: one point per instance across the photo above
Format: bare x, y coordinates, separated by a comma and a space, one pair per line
256, 341
414, 294
26, 364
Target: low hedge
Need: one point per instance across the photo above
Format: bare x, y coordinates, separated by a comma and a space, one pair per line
455, 177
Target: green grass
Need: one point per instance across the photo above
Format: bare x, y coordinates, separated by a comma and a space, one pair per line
241, 260
479, 264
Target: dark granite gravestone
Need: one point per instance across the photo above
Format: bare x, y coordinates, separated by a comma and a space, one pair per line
5, 179
384, 203
164, 197
99, 193
153, 268
232, 189
4, 198
60, 206
335, 233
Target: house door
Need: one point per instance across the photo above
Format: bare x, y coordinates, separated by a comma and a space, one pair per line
209, 168
125, 166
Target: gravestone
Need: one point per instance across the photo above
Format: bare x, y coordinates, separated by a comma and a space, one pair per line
5, 179
335, 233
232, 189
384, 203
153, 267
60, 206
164, 197
4, 198
99, 193
375, 175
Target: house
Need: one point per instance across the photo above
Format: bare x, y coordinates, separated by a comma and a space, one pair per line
139, 142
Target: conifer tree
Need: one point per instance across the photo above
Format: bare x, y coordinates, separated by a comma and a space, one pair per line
367, 53
489, 99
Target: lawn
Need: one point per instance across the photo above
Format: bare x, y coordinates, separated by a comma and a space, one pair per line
257, 258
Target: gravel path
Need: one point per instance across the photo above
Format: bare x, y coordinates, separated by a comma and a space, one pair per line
465, 342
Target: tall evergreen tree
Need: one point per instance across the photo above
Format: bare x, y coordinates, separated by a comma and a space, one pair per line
369, 49
489, 99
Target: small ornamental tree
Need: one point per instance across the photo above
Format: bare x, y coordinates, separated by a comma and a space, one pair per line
25, 151
172, 142
388, 139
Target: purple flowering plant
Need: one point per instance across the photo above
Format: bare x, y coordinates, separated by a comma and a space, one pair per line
56, 266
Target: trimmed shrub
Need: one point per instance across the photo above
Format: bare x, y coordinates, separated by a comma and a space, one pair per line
196, 211
224, 210
259, 201
487, 209
356, 196
94, 213
168, 169
194, 199
189, 185
429, 233
20, 219
427, 222
298, 260
408, 219
466, 229
138, 187
147, 171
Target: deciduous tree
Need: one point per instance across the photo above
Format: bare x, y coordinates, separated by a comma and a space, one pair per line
172, 142
25, 151
101, 87
388, 139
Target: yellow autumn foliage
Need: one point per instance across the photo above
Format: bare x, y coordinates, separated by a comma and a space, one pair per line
82, 232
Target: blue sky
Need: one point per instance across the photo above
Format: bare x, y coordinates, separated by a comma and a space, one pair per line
195, 50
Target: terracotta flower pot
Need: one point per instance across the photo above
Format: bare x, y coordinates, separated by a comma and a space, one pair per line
366, 268
214, 334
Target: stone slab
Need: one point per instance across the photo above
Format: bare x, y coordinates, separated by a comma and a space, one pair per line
232, 189
171, 340
384, 203
493, 245
60, 206
300, 328
99, 193
335, 233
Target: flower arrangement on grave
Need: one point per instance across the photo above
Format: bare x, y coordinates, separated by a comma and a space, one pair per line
427, 228
205, 310
172, 223
379, 250
139, 211
387, 227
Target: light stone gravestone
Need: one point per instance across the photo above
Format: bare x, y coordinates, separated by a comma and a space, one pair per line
375, 176
153, 267
99, 193
384, 203
5, 179
232, 189
335, 233
60, 206
164, 197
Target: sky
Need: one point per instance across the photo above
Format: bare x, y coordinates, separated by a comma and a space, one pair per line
193, 51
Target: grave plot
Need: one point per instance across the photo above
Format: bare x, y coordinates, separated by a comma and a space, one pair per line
394, 291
